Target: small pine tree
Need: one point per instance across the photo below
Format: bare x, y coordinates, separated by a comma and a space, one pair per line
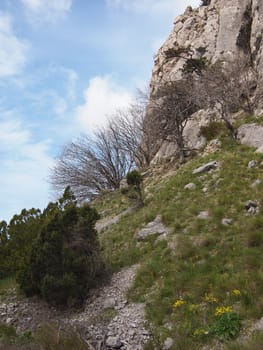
134, 180
65, 258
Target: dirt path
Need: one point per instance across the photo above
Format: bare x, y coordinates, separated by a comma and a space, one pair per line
126, 328
108, 320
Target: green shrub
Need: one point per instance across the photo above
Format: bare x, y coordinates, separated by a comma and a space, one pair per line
194, 65
65, 258
134, 180
212, 130
226, 326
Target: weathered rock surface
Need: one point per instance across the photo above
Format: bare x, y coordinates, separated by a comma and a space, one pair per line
155, 227
227, 221
206, 167
108, 221
251, 135
252, 207
252, 164
190, 186
191, 134
260, 149
203, 215
126, 330
168, 344
223, 30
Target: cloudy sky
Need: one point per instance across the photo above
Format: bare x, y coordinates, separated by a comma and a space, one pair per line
64, 66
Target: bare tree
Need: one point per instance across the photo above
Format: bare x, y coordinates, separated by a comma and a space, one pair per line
229, 87
91, 164
132, 132
169, 110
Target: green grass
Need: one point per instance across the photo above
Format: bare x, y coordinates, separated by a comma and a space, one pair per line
254, 342
111, 203
248, 119
48, 337
10, 340
6, 285
209, 259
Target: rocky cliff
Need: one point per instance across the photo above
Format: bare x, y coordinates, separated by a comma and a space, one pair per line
222, 30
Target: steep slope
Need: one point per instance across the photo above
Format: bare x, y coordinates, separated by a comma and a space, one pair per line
209, 259
198, 247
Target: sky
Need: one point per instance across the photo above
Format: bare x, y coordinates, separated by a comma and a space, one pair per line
65, 65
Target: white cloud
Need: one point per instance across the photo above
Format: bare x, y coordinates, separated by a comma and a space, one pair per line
14, 52
24, 167
154, 6
57, 99
47, 10
11, 134
102, 97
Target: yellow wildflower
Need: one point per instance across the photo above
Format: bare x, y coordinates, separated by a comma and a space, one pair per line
236, 292
210, 298
223, 310
178, 303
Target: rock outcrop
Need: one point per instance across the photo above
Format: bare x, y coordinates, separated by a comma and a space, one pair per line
251, 135
223, 30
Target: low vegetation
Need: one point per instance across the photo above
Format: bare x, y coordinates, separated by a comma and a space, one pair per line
205, 284
48, 337
55, 253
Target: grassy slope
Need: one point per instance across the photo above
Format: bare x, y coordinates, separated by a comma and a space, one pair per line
209, 260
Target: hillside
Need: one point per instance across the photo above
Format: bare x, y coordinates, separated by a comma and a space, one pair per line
207, 256
211, 257
184, 270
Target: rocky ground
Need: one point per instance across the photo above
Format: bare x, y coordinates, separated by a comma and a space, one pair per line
110, 320
107, 321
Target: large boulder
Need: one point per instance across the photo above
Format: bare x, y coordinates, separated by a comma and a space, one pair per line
251, 135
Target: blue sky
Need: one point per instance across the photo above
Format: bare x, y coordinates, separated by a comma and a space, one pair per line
64, 66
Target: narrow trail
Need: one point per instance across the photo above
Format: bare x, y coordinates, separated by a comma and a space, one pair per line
107, 321
126, 330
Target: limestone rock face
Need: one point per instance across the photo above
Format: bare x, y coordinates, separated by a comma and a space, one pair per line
223, 30
251, 135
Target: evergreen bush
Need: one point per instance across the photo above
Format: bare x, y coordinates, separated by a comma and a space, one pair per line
134, 180
65, 258
213, 130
